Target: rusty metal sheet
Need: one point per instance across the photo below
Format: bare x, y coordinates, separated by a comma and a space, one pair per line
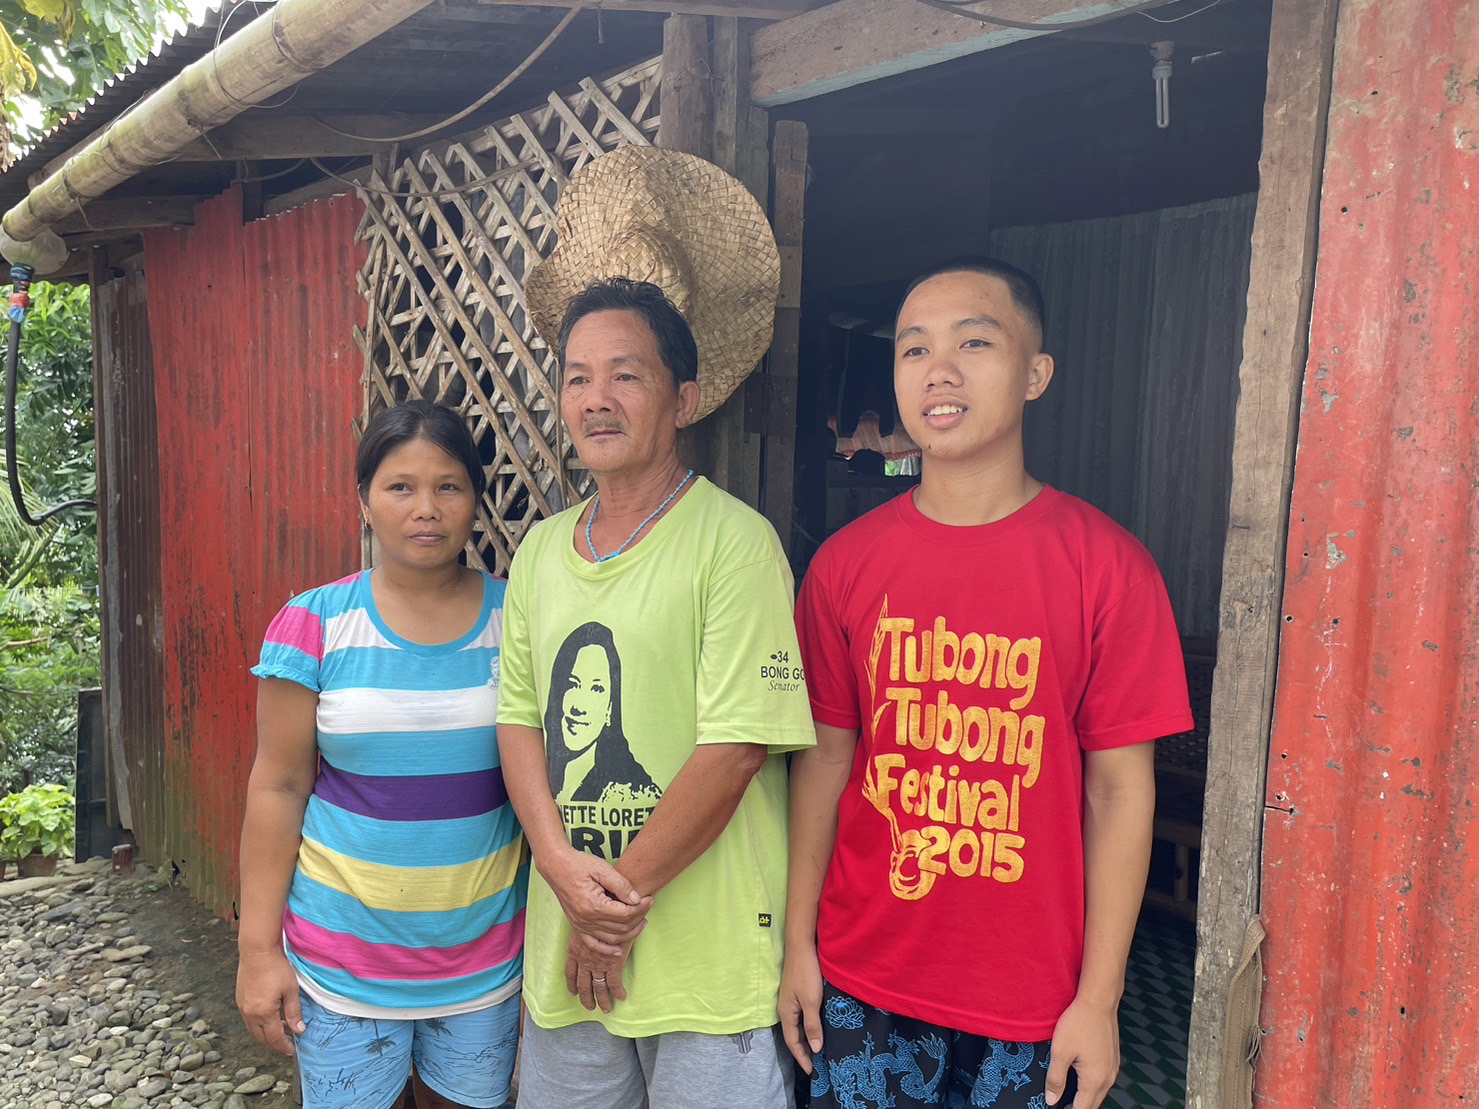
1371, 866
256, 379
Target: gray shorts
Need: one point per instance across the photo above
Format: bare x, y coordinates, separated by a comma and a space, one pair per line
585, 1067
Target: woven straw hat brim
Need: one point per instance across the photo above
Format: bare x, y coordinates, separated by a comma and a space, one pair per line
688, 227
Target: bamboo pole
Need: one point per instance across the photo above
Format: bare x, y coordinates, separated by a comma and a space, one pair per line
275, 51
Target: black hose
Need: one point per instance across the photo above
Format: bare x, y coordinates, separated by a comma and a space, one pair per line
12, 470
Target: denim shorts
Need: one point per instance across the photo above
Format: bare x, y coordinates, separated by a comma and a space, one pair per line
363, 1062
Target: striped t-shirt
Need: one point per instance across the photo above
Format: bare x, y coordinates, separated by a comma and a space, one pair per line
408, 897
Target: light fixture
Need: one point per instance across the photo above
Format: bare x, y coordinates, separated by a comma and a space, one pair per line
1160, 72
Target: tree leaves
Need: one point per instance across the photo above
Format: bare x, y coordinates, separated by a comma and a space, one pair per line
49, 627
59, 53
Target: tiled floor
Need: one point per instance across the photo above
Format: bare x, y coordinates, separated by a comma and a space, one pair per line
1155, 1015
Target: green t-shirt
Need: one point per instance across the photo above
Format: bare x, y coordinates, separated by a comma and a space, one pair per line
625, 666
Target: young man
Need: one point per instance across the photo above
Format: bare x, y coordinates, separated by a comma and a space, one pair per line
965, 880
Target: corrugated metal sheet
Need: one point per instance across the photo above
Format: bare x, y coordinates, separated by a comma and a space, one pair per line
256, 380
1371, 868
128, 544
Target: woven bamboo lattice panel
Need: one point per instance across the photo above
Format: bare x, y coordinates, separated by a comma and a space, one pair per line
453, 230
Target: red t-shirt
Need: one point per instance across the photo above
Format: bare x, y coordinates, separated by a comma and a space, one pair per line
978, 664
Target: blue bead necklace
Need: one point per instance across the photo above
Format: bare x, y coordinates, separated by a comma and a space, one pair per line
596, 504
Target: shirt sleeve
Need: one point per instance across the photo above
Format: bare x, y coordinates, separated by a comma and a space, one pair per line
830, 679
293, 647
751, 687
518, 703
1136, 690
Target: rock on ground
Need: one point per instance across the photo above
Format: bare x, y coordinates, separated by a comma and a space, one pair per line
116, 992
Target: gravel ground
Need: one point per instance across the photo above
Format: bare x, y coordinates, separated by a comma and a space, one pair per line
116, 991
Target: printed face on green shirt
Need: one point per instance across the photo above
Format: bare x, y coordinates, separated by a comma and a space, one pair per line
585, 709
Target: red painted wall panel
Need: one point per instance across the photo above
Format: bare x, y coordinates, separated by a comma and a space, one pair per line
256, 380
1371, 865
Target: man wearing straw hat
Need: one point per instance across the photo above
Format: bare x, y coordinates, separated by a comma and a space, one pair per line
650, 680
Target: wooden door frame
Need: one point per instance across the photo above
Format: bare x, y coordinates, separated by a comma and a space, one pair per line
1224, 1024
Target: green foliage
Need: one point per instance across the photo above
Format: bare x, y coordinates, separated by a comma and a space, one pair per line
38, 818
54, 430
49, 629
48, 651
60, 52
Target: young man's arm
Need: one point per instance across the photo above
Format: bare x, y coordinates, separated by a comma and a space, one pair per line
1119, 810
818, 777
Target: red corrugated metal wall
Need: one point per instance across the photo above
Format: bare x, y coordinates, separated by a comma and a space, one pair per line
1371, 867
257, 377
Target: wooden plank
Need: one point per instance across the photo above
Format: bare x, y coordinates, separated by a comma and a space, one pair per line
264, 137
740, 9
851, 42
788, 157
329, 186
132, 213
1275, 352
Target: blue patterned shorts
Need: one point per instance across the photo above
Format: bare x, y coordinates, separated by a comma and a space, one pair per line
363, 1063
871, 1059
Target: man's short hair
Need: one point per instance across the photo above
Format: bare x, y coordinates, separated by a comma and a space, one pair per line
1026, 293
675, 345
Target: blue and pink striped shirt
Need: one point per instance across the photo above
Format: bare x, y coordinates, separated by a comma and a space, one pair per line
409, 893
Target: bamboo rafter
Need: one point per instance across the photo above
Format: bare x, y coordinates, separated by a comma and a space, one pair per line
453, 231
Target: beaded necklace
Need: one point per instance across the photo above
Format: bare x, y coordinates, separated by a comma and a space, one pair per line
596, 504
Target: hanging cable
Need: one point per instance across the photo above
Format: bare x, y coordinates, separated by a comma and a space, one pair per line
958, 7
518, 71
20, 303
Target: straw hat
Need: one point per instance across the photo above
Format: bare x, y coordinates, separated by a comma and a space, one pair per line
686, 226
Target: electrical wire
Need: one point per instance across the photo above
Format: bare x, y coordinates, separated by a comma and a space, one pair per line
216, 49
269, 176
1179, 18
958, 7
518, 71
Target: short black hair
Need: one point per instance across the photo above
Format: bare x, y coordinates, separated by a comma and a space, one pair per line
1026, 293
417, 419
675, 345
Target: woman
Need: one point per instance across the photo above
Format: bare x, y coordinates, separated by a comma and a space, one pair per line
382, 868
583, 722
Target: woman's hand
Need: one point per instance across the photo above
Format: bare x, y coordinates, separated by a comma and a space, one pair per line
267, 995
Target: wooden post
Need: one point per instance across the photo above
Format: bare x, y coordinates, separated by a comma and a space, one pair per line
783, 367
98, 274
687, 120
1275, 351
706, 111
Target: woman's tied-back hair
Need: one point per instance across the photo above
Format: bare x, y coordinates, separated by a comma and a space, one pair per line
417, 419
